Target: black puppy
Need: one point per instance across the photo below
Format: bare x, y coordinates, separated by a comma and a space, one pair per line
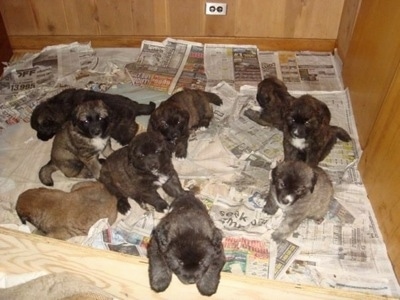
138, 170
307, 134
49, 116
186, 243
273, 98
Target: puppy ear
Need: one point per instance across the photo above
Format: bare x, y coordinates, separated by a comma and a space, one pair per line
161, 235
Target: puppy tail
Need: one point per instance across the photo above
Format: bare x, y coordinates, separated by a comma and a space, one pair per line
213, 98
45, 173
341, 134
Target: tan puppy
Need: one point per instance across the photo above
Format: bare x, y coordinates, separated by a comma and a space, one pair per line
301, 191
77, 146
62, 215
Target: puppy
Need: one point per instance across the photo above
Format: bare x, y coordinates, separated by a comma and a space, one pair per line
301, 192
76, 148
307, 134
181, 114
186, 243
48, 117
138, 170
62, 215
273, 98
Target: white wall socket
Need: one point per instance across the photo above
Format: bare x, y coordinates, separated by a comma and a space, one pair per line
216, 9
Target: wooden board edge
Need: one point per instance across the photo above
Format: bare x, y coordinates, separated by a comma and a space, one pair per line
126, 276
34, 43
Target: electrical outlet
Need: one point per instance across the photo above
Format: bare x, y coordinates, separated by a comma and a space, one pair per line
216, 9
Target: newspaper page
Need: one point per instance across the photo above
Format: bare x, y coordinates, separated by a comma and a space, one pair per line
162, 66
309, 71
38, 76
269, 61
235, 64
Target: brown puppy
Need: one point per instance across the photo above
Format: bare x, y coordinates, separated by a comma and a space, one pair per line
301, 192
307, 134
180, 114
76, 148
48, 117
138, 170
273, 98
62, 215
186, 243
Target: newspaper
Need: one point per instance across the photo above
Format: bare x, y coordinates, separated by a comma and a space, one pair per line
168, 65
237, 65
231, 161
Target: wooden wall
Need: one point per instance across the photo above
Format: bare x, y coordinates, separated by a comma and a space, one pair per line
371, 70
272, 24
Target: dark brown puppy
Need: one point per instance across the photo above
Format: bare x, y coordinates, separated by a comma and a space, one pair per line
307, 134
273, 98
180, 114
138, 170
301, 192
76, 148
186, 243
49, 116
62, 215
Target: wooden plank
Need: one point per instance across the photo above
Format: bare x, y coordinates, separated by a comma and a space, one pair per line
346, 27
288, 18
311, 19
50, 19
371, 61
126, 277
82, 17
115, 17
379, 167
36, 43
18, 17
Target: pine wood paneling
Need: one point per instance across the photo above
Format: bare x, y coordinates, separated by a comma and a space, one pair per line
371, 70
18, 17
50, 19
274, 22
82, 17
379, 167
371, 61
288, 18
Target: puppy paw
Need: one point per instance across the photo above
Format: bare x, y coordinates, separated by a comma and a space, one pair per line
123, 206
208, 287
161, 206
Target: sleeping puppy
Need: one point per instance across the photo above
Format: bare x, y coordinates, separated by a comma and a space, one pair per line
301, 192
180, 114
138, 170
273, 98
62, 215
307, 134
76, 148
186, 243
48, 117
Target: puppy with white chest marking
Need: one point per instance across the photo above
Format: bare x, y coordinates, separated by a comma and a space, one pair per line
273, 98
137, 170
307, 133
301, 191
76, 148
186, 243
185, 111
49, 116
